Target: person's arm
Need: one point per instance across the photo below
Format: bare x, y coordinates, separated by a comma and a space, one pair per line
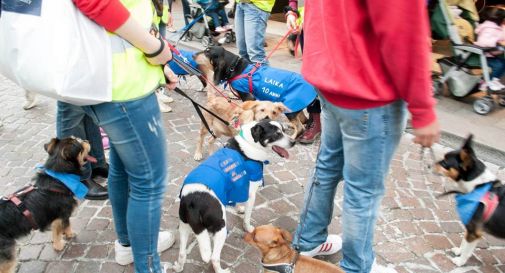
114, 17
291, 13
402, 27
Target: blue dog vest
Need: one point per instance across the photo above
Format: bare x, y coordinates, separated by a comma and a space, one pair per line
228, 175
277, 85
71, 181
468, 203
187, 58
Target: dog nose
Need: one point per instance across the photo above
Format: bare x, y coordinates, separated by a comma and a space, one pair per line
266, 117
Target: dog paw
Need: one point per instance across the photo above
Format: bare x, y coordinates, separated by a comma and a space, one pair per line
459, 261
198, 156
248, 227
178, 267
241, 209
70, 235
58, 246
456, 251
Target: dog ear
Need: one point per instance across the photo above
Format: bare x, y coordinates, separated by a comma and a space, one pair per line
49, 147
281, 107
286, 235
466, 153
256, 132
250, 104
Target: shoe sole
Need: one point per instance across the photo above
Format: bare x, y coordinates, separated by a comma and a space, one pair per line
304, 141
96, 197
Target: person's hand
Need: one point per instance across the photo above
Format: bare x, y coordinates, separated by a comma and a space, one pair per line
291, 21
172, 79
427, 135
164, 57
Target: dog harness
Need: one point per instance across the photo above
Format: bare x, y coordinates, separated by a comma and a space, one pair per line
468, 203
277, 85
15, 198
282, 267
187, 58
228, 175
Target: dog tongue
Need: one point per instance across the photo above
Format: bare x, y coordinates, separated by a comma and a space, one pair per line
90, 159
280, 151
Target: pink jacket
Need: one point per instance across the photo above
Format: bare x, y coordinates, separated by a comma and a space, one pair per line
489, 34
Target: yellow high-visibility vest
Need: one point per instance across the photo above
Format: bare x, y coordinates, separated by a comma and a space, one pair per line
132, 76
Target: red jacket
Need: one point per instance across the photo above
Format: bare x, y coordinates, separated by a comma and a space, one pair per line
110, 14
369, 53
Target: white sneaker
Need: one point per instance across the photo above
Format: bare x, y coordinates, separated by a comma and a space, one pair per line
497, 83
377, 268
31, 100
160, 94
221, 29
124, 254
332, 245
163, 107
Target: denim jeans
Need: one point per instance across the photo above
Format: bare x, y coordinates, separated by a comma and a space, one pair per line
137, 174
497, 64
250, 27
71, 120
356, 147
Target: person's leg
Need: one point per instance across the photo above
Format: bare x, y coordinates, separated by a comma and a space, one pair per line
255, 21
240, 31
313, 127
313, 228
497, 65
222, 13
186, 10
366, 134
71, 121
138, 171
93, 135
215, 18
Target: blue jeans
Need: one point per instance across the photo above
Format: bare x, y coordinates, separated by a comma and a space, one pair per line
356, 146
71, 120
250, 27
137, 174
497, 64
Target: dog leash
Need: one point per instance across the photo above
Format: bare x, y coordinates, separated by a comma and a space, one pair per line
198, 108
428, 167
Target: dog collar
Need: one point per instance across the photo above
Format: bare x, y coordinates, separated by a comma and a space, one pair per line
241, 134
71, 181
282, 267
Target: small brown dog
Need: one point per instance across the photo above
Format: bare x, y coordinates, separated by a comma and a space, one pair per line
235, 113
275, 246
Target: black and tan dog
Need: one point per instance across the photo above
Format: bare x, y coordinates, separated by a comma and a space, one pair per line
47, 202
261, 82
480, 198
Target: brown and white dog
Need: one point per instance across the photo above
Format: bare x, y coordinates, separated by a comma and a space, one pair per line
480, 198
235, 113
277, 254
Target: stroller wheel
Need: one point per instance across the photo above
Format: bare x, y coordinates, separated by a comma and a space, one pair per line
501, 101
483, 106
228, 38
438, 88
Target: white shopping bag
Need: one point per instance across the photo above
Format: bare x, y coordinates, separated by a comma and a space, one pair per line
51, 48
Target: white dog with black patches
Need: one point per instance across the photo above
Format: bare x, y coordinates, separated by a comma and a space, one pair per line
231, 175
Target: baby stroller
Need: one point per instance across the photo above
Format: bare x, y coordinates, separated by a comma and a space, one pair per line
202, 27
458, 71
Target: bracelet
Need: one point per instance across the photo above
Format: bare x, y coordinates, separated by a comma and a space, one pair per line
157, 52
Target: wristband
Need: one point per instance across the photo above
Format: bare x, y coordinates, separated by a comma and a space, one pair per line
157, 52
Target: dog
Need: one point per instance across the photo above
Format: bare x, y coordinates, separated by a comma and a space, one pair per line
479, 195
50, 201
278, 256
231, 175
261, 82
234, 113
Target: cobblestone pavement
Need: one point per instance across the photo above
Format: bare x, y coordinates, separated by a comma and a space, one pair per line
414, 232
